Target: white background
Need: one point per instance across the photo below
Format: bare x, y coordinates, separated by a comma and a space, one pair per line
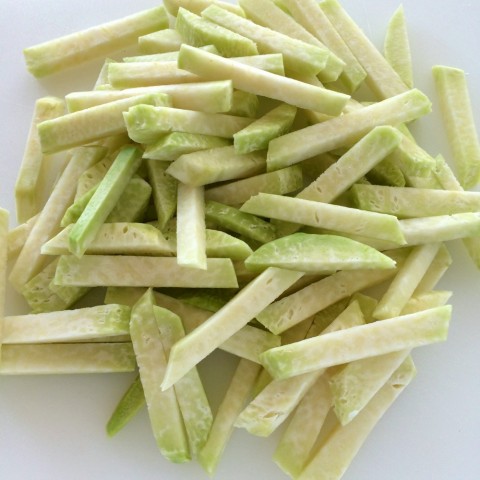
53, 427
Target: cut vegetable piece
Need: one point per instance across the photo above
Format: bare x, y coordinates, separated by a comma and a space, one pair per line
76, 209
232, 404
345, 129
387, 173
71, 50
426, 300
397, 47
164, 412
259, 133
211, 97
239, 222
279, 182
67, 358
166, 40
17, 236
128, 271
104, 199
223, 245
115, 239
372, 339
208, 299
164, 57
307, 13
91, 177
30, 261
145, 123
456, 109
414, 202
339, 449
270, 62
436, 270
297, 55
406, 281
191, 397
27, 183
86, 126
66, 326
356, 163
381, 77
317, 254
196, 6
128, 406
191, 235
175, 144
253, 80
228, 320
244, 104
198, 32
216, 165
324, 215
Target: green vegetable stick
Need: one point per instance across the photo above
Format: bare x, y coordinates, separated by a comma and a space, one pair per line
190, 393
191, 234
163, 409
216, 165
76, 209
232, 404
307, 13
414, 202
128, 406
30, 261
26, 186
71, 50
397, 47
166, 40
95, 123
228, 320
297, 55
210, 97
456, 109
244, 104
364, 341
104, 199
324, 215
146, 123
67, 358
253, 80
279, 182
405, 281
426, 300
337, 452
196, 6
17, 236
198, 31
4, 218
65, 326
345, 129
381, 77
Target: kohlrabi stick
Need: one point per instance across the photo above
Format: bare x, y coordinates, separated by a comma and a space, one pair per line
397, 47
426, 300
191, 234
166, 40
30, 261
456, 109
232, 317
67, 358
435, 271
17, 237
378, 338
104, 199
253, 80
71, 50
237, 395
27, 183
163, 409
196, 6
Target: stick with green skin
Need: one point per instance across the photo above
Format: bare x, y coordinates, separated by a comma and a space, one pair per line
104, 199
253, 80
190, 393
167, 40
378, 338
345, 130
30, 261
232, 317
339, 449
164, 57
26, 185
244, 104
456, 109
237, 395
91, 124
70, 50
216, 165
67, 358
163, 409
279, 182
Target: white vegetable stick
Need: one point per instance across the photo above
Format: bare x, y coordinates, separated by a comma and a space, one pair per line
435, 271
18, 235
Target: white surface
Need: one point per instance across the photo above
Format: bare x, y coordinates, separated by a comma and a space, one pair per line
53, 427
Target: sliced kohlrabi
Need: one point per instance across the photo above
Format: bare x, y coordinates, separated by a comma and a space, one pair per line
166, 40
